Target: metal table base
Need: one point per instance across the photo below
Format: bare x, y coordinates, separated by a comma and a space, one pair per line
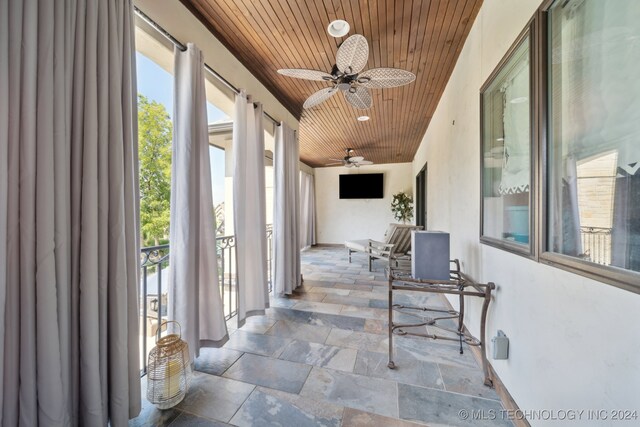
458, 284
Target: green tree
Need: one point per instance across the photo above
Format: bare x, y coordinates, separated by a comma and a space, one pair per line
154, 139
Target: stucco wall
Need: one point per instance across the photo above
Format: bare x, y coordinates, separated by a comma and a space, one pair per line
574, 342
340, 219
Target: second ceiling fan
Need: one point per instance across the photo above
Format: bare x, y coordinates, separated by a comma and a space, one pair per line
347, 76
350, 161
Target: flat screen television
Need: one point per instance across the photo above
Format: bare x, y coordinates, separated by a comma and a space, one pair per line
362, 186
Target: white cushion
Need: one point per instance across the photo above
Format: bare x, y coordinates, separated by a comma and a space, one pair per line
357, 245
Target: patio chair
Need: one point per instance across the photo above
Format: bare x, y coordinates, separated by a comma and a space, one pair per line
396, 248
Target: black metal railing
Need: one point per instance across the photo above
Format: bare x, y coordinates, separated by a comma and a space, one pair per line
153, 306
270, 257
226, 248
596, 244
154, 263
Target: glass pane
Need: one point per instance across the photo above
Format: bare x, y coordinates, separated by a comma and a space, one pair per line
506, 147
594, 133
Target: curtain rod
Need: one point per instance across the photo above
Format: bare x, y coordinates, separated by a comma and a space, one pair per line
182, 47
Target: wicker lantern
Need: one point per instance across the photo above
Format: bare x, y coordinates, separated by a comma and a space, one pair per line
169, 370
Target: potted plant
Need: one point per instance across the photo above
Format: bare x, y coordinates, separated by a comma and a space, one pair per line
402, 207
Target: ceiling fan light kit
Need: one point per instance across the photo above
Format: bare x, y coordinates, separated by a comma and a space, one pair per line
338, 28
347, 76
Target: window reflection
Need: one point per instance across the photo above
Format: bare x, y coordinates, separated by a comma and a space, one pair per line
594, 135
507, 150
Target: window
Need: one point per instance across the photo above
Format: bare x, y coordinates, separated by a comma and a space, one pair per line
506, 148
593, 134
560, 158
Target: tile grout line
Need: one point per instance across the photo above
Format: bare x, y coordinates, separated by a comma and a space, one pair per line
353, 370
229, 367
255, 387
455, 392
344, 408
305, 382
444, 386
176, 418
398, 399
268, 329
184, 411
327, 337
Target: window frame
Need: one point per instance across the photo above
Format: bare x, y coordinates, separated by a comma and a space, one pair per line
615, 276
537, 30
530, 250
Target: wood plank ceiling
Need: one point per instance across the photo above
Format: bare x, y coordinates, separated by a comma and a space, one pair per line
422, 36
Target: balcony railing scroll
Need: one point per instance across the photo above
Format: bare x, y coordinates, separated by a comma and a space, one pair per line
154, 265
596, 244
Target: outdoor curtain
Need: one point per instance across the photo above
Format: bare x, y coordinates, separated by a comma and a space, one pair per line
286, 218
194, 292
69, 254
307, 210
249, 208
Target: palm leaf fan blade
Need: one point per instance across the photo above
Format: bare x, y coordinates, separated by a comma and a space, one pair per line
359, 98
302, 73
353, 54
385, 78
319, 97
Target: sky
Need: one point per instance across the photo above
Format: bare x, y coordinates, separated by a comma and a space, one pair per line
157, 85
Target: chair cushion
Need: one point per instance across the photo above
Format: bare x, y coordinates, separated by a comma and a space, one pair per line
357, 245
397, 234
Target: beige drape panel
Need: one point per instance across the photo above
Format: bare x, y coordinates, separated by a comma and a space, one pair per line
68, 214
286, 218
194, 292
249, 208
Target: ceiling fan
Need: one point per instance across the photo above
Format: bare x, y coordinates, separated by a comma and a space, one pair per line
350, 161
347, 76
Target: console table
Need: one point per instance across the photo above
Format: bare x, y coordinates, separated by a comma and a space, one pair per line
458, 284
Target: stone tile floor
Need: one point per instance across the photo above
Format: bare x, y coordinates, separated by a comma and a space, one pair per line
319, 358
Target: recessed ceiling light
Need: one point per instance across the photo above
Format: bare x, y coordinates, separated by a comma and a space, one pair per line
338, 28
499, 139
363, 118
519, 100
